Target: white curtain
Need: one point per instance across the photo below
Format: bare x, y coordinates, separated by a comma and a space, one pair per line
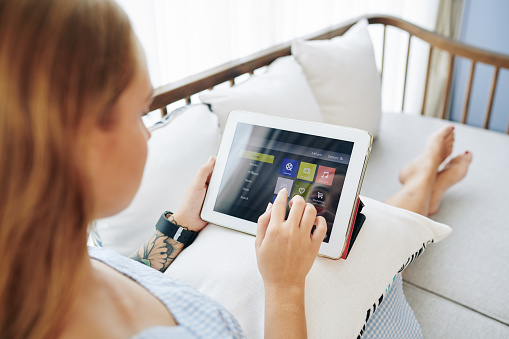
184, 37
450, 14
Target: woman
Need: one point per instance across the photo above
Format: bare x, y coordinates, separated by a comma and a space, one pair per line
73, 86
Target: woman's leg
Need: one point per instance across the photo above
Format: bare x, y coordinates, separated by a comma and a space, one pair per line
423, 186
415, 195
453, 172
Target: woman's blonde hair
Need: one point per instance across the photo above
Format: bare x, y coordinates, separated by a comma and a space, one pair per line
63, 64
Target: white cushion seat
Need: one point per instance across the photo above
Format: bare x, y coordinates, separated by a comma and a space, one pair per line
468, 271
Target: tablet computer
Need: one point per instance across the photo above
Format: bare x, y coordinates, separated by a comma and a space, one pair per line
260, 154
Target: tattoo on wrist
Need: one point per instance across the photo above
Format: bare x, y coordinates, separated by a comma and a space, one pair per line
158, 252
173, 220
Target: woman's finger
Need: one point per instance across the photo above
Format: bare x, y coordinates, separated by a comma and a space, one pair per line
205, 172
296, 211
320, 231
290, 203
263, 223
279, 207
201, 180
308, 219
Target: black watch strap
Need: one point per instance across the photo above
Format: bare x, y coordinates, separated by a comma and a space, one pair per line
174, 231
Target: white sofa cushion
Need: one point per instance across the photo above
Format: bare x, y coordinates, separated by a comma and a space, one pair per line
281, 91
175, 153
343, 76
475, 208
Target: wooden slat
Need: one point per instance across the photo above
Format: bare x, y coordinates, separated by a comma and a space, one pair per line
164, 111
447, 92
492, 97
196, 83
406, 73
467, 96
446, 44
186, 87
427, 80
383, 55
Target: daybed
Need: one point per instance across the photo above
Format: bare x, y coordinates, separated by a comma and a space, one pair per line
458, 288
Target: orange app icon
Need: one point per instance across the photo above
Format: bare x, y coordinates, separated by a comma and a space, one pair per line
325, 175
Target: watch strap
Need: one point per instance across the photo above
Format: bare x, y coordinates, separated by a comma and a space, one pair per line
174, 231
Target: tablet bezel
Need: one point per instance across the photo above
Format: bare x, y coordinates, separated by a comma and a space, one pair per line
351, 188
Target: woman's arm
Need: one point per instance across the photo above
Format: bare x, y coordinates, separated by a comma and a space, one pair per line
285, 315
286, 250
160, 250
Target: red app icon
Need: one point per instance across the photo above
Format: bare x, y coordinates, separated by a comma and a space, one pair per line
325, 175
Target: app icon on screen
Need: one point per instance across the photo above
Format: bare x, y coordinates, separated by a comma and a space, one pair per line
274, 198
306, 171
318, 195
325, 175
283, 183
289, 167
301, 188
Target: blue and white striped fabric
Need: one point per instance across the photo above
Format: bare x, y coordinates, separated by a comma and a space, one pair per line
197, 315
394, 318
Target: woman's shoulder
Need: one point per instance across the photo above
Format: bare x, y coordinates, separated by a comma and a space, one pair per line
144, 275
196, 314
121, 263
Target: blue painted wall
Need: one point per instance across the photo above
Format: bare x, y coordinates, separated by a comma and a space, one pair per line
485, 25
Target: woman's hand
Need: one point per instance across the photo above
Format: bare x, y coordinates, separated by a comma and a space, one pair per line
188, 214
286, 249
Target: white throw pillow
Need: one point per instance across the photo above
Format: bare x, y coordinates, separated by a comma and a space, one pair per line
281, 91
175, 153
341, 295
343, 76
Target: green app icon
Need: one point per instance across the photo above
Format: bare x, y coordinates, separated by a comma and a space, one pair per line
306, 171
302, 189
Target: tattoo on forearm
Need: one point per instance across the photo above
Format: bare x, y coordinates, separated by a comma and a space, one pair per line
158, 252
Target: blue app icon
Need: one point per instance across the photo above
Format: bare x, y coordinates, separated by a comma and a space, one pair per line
289, 167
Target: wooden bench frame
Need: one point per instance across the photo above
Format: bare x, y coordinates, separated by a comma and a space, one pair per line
185, 88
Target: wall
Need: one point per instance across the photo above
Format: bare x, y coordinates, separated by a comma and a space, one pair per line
485, 25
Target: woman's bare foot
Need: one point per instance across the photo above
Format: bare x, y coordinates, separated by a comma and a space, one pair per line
453, 172
438, 148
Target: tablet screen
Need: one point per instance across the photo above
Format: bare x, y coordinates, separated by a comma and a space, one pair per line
264, 160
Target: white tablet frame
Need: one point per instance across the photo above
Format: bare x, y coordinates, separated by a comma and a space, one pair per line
353, 180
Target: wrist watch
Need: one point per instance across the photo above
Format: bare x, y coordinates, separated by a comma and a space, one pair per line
177, 232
